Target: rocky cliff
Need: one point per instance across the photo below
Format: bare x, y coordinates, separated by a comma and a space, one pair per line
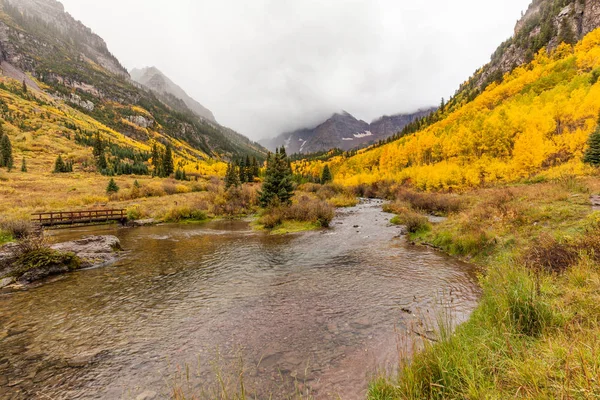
342, 131
155, 80
39, 39
547, 23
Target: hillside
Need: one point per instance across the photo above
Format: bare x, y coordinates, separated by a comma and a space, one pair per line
536, 122
545, 24
343, 131
67, 67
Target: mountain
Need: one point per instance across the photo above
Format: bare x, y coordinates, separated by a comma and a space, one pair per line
342, 131
546, 23
153, 79
532, 124
60, 57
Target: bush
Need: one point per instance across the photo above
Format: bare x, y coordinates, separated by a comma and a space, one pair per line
134, 213
433, 203
413, 221
181, 213
303, 209
17, 229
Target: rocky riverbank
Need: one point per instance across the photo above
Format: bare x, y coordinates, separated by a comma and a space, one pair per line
17, 269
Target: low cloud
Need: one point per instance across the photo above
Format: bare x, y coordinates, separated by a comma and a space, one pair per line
269, 66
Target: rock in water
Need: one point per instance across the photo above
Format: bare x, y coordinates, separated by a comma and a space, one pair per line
93, 251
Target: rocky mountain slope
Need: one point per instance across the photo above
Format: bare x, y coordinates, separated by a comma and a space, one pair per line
57, 55
155, 80
547, 23
342, 131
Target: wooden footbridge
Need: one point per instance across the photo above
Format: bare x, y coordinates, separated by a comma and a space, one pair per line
57, 218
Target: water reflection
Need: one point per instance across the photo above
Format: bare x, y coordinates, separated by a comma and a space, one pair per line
319, 307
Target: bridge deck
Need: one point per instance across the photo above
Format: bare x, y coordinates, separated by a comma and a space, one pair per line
78, 217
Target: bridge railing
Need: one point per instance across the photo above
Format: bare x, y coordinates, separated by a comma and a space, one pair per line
78, 217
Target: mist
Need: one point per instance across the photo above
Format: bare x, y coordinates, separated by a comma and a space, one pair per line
270, 66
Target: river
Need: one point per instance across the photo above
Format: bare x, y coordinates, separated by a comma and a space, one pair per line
317, 312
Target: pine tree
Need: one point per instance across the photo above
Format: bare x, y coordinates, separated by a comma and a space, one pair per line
566, 33
232, 177
242, 171
156, 161
592, 154
168, 165
6, 156
24, 86
112, 187
23, 166
59, 165
278, 185
326, 176
255, 168
248, 170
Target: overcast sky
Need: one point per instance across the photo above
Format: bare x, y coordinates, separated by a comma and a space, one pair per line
268, 66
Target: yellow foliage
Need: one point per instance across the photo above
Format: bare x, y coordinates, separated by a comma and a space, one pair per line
537, 121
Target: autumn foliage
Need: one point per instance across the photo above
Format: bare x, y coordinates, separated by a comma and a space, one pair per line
537, 121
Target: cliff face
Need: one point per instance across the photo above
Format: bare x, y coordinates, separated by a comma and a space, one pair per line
158, 82
62, 25
547, 23
342, 131
38, 39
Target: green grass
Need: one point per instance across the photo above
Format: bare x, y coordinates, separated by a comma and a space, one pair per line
5, 237
535, 333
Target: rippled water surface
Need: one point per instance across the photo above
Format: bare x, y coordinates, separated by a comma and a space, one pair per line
317, 311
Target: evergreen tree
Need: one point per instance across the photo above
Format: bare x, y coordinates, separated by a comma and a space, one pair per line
156, 162
242, 171
112, 187
232, 177
255, 168
326, 176
168, 165
23, 166
6, 156
24, 86
592, 154
566, 33
278, 185
248, 170
59, 165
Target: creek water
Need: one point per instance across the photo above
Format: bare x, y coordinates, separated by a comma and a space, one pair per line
317, 312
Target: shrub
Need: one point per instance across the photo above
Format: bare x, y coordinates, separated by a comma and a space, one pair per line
134, 213
303, 209
550, 255
180, 213
413, 221
17, 229
434, 203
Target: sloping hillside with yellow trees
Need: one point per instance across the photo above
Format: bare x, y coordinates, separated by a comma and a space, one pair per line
41, 127
535, 122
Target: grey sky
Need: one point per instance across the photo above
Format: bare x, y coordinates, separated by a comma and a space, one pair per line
268, 66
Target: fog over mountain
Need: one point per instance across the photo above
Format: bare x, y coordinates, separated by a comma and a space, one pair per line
266, 67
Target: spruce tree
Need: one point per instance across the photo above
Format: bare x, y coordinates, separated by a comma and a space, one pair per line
242, 171
232, 177
112, 187
592, 154
168, 165
249, 177
59, 165
326, 176
6, 156
278, 184
23, 166
255, 168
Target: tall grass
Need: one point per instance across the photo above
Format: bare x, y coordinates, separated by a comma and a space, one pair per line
536, 331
